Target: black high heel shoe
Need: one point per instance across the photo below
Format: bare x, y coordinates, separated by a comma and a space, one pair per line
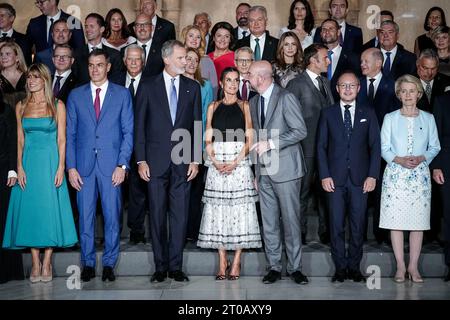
233, 277
220, 277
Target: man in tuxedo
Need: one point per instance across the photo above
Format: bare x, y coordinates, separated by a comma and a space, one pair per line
63, 78
434, 83
314, 93
384, 15
377, 92
242, 11
351, 38
397, 60
61, 35
39, 28
264, 46
279, 127
348, 154
99, 146
243, 59
7, 17
340, 59
203, 21
137, 188
94, 27
169, 104
441, 167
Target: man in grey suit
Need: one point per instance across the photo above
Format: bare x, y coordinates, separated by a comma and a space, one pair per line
280, 127
314, 93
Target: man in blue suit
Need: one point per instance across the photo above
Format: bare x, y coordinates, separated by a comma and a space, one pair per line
39, 28
168, 105
348, 155
99, 146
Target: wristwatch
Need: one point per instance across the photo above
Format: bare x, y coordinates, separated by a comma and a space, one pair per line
124, 167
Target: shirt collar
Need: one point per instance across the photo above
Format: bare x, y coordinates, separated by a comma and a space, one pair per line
424, 84
352, 105
393, 51
266, 95
168, 77
65, 73
336, 51
98, 46
311, 74
148, 43
377, 77
137, 78
9, 33
154, 20
104, 86
262, 37
56, 17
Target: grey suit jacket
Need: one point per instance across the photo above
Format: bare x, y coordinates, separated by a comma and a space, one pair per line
284, 124
311, 101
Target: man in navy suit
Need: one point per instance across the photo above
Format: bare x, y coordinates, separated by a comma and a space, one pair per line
64, 80
264, 46
348, 154
397, 60
377, 92
39, 28
242, 11
99, 146
169, 104
384, 15
351, 38
7, 17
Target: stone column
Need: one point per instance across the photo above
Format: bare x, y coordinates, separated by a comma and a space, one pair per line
171, 10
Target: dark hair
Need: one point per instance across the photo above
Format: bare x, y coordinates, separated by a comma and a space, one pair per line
443, 22
243, 4
65, 46
387, 13
227, 71
298, 58
8, 7
332, 20
57, 2
329, 4
311, 52
124, 31
99, 52
309, 19
223, 25
96, 16
60, 20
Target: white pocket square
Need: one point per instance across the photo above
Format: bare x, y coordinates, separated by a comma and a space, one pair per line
363, 120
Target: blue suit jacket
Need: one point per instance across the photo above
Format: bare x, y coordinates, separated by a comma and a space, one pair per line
154, 128
353, 39
45, 57
337, 158
385, 99
108, 140
36, 32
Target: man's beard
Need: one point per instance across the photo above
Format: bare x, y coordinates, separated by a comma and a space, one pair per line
243, 22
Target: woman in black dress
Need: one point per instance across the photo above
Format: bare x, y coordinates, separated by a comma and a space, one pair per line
435, 18
11, 267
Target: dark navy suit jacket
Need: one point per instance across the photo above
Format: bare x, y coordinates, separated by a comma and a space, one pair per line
404, 63
22, 41
353, 38
339, 158
45, 57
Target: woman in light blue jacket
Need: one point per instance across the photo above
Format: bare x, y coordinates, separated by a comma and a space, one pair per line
409, 142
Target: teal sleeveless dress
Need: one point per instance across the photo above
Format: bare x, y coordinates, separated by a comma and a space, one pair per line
40, 216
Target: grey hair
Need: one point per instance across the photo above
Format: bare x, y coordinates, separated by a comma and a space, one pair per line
392, 23
167, 47
134, 46
259, 8
244, 49
407, 78
202, 14
428, 54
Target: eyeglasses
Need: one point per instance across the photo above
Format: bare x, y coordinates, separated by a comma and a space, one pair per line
244, 61
40, 2
142, 25
62, 57
348, 86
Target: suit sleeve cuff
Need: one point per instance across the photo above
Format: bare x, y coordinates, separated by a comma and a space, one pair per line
271, 144
12, 174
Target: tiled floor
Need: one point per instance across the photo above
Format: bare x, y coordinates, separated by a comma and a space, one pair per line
206, 288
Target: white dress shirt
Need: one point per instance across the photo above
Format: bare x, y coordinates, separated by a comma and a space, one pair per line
104, 88
240, 31
64, 76
49, 23
313, 77
343, 27
98, 46
335, 58
351, 109
393, 54
137, 79
376, 83
147, 48
262, 41
168, 82
9, 33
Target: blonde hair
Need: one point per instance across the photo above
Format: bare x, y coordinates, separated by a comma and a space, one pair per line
185, 31
44, 73
407, 78
21, 64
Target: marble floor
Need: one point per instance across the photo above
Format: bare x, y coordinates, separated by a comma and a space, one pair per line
206, 288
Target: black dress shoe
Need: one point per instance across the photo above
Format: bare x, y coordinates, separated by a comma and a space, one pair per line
178, 275
108, 274
272, 276
356, 276
447, 278
87, 274
299, 277
339, 275
158, 276
325, 238
304, 238
136, 237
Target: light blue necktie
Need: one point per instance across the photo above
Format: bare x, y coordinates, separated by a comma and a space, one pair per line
330, 66
173, 101
387, 64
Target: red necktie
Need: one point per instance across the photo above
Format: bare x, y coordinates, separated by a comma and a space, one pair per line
244, 91
97, 103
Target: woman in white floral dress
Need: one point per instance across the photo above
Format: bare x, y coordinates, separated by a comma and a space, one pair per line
409, 142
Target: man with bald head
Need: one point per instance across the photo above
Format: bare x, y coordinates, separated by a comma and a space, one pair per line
278, 121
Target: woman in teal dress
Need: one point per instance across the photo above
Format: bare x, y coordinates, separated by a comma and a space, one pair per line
39, 213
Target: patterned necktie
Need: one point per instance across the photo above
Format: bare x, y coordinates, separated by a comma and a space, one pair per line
144, 46
57, 86
371, 90
131, 87
263, 115
387, 64
347, 122
173, 101
97, 102
428, 90
257, 50
49, 35
244, 34
321, 87
244, 94
330, 66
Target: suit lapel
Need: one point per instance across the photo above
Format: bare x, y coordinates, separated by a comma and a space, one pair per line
162, 97
183, 95
357, 120
107, 102
90, 103
272, 105
337, 114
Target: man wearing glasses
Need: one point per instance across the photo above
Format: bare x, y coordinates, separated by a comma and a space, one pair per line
63, 79
243, 58
348, 156
50, 14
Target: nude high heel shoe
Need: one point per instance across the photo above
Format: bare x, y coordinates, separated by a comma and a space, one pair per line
49, 277
36, 277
